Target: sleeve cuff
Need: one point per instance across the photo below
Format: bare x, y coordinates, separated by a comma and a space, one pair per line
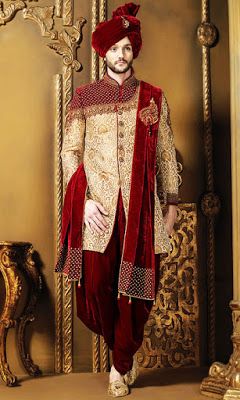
172, 199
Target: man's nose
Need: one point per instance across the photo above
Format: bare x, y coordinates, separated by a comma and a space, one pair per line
120, 52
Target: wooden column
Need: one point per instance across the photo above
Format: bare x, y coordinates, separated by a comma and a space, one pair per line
224, 380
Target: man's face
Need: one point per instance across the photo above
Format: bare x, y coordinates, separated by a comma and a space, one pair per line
119, 57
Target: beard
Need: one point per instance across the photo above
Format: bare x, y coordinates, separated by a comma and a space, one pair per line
119, 69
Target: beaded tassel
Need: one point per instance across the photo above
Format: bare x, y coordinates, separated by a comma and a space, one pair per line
130, 300
119, 294
79, 283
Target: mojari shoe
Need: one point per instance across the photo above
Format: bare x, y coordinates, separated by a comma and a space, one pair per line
131, 376
118, 389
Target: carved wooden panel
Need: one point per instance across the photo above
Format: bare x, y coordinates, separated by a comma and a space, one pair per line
171, 336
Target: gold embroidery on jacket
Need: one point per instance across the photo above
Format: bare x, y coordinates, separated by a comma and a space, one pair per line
111, 108
73, 144
105, 143
149, 115
167, 179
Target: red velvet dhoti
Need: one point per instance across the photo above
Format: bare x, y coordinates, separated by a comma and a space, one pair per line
120, 323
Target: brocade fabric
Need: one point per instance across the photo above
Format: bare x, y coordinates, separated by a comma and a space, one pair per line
100, 131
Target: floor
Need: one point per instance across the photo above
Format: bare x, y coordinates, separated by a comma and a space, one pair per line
160, 384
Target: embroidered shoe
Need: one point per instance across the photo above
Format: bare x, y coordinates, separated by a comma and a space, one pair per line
118, 389
131, 376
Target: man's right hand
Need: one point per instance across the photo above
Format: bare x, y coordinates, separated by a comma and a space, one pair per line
93, 217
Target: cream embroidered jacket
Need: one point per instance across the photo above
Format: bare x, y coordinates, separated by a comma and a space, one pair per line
100, 131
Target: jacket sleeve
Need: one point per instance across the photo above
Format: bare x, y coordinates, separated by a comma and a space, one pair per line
73, 140
166, 172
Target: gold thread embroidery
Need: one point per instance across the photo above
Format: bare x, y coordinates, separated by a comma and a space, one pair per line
149, 115
101, 109
167, 179
95, 141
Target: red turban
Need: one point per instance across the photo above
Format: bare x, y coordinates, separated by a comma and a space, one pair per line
123, 23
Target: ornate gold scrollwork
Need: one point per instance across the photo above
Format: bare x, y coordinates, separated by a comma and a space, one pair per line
224, 379
16, 258
35, 287
10, 11
43, 16
66, 44
171, 336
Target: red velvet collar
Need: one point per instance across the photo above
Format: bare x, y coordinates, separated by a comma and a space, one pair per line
130, 81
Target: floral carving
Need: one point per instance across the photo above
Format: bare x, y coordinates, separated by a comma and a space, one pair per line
171, 336
67, 44
44, 18
8, 14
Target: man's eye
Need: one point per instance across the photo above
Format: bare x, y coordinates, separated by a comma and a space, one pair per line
113, 49
129, 48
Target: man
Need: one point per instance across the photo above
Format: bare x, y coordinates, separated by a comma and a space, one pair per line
119, 161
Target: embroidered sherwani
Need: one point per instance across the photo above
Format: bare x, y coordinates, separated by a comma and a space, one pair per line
100, 131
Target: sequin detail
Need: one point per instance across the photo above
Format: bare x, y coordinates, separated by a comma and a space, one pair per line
70, 257
142, 282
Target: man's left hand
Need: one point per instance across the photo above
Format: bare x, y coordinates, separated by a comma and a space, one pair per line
170, 218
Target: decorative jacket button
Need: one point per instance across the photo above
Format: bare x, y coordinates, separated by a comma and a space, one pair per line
121, 123
120, 112
121, 159
121, 134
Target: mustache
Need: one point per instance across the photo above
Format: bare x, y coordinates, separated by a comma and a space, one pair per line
120, 61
